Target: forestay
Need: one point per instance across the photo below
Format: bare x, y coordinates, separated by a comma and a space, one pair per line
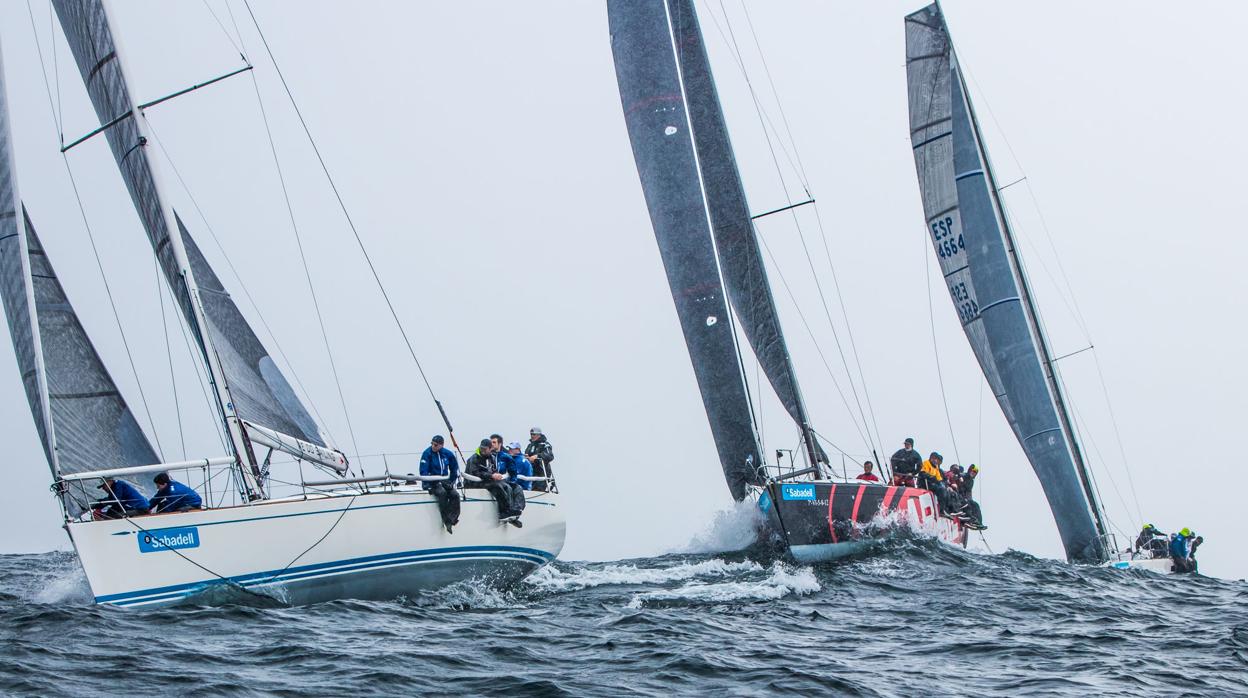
257, 389
82, 419
658, 126
740, 258
976, 256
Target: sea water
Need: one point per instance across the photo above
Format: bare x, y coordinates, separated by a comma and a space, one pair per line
907, 617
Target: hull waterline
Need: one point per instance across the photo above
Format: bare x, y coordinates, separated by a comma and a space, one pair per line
341, 545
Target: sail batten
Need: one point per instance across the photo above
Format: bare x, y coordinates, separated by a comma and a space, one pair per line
657, 117
971, 239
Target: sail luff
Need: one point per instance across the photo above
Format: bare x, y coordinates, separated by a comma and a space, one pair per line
1032, 312
736, 244
655, 114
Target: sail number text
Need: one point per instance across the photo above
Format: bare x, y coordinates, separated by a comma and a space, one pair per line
968, 309
943, 235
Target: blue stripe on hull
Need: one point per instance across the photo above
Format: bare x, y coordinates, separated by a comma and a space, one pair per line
484, 558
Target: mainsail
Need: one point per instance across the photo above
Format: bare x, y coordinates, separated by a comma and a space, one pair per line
257, 391
82, 419
655, 111
977, 257
740, 258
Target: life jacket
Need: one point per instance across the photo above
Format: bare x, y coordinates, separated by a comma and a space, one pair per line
931, 471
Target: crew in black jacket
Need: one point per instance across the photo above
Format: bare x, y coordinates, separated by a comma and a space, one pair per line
484, 465
540, 454
906, 464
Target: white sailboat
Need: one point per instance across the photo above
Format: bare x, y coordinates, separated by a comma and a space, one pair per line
346, 537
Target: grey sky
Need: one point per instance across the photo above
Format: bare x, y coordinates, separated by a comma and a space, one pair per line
482, 152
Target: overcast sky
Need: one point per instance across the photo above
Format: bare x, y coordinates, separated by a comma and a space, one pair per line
482, 151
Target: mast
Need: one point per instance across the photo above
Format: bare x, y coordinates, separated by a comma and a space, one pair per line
96, 23
1033, 315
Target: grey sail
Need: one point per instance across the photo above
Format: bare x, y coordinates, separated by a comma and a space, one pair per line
82, 419
258, 390
740, 258
975, 251
655, 114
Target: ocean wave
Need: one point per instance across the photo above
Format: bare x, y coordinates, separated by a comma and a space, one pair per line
730, 529
550, 578
781, 581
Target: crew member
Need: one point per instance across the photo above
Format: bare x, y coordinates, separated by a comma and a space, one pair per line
438, 460
906, 462
967, 483
120, 499
1179, 551
172, 495
483, 464
539, 453
518, 466
867, 474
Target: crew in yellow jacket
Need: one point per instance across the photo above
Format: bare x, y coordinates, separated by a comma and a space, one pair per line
931, 468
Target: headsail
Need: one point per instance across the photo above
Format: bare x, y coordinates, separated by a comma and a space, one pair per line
740, 259
257, 389
82, 419
975, 249
658, 126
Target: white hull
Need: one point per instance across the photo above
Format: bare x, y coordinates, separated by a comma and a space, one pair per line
1160, 565
341, 545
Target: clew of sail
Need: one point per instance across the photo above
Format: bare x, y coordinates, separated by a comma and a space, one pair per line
975, 251
82, 419
254, 388
740, 258
658, 127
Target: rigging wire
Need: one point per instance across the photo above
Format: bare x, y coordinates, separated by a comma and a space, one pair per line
931, 315
801, 169
43, 70
765, 121
237, 277
1066, 292
350, 222
173, 379
819, 349
290, 211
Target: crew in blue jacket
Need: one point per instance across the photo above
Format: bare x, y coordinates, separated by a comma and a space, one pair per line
173, 496
120, 500
516, 464
438, 460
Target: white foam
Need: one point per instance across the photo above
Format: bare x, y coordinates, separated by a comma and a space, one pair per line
780, 582
729, 529
69, 584
549, 578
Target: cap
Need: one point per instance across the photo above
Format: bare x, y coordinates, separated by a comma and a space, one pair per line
935, 455
535, 431
974, 467
513, 444
161, 478
485, 443
910, 440
438, 439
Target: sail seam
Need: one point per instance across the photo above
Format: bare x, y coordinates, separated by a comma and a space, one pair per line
968, 173
1043, 431
930, 124
955, 271
1013, 299
74, 396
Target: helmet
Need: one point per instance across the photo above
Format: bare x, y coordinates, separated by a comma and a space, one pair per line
1186, 533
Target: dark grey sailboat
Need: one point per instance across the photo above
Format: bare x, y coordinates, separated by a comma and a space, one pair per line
707, 241
986, 280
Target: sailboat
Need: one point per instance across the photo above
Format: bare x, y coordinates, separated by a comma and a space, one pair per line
987, 282
708, 244
373, 537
